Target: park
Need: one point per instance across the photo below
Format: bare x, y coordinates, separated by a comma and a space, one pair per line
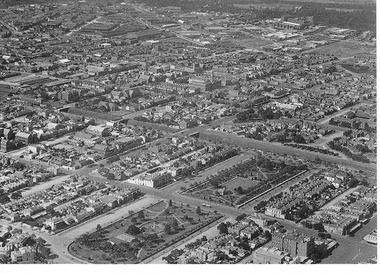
142, 234
243, 181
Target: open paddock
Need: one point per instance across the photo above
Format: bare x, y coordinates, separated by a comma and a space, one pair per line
344, 49
239, 181
255, 42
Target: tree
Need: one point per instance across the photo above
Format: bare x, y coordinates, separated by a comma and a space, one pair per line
133, 230
175, 225
40, 241
221, 256
267, 235
244, 243
353, 183
135, 242
170, 203
318, 160
239, 190
198, 210
348, 133
167, 229
233, 252
16, 195
4, 199
98, 227
223, 229
141, 215
299, 139
204, 239
50, 210
18, 166
240, 217
84, 239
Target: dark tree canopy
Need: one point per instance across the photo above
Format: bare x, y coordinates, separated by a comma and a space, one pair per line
223, 229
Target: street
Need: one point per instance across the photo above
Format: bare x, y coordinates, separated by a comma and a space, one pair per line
353, 249
281, 149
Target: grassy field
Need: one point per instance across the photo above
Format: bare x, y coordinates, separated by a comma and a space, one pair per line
344, 49
255, 43
358, 69
158, 207
239, 181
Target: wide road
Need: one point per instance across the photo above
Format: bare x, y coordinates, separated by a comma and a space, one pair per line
354, 249
171, 191
168, 195
208, 172
281, 149
350, 250
323, 143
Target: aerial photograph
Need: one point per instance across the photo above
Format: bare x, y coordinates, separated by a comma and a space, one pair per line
188, 132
